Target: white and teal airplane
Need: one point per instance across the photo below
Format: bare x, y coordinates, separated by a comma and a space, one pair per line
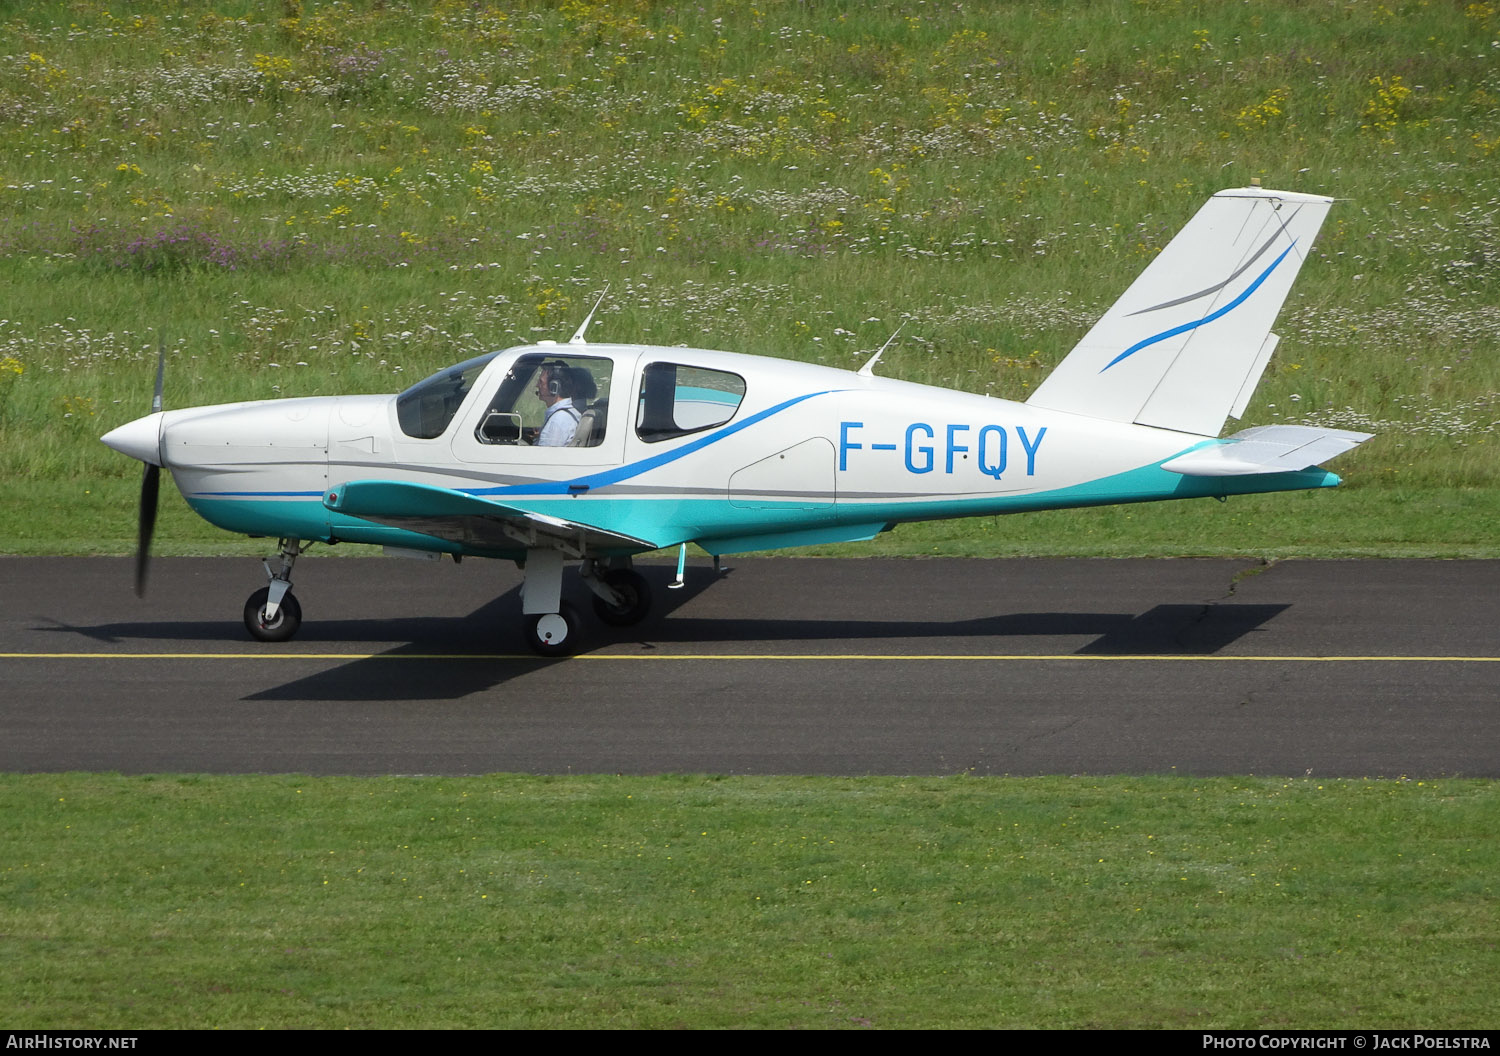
656, 447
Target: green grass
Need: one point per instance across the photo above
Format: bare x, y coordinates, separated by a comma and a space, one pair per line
342, 197
508, 901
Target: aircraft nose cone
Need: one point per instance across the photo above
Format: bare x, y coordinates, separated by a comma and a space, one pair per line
140, 439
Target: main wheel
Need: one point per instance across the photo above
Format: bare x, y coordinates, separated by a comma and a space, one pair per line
635, 595
553, 633
288, 617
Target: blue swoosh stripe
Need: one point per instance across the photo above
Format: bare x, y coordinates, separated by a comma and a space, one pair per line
564, 487
645, 465
1185, 327
1238, 272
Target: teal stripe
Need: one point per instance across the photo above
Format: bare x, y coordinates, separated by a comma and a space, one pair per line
669, 521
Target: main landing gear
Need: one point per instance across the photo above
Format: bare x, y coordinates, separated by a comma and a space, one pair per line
553, 633
272, 613
622, 598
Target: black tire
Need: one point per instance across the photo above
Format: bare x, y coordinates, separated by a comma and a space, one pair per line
546, 638
288, 617
633, 589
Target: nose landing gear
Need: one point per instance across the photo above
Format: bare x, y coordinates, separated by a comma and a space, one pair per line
272, 613
267, 626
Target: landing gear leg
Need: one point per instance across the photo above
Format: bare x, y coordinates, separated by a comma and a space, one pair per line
272, 613
551, 624
622, 597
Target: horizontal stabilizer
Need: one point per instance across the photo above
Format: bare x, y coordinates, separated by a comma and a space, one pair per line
1266, 449
1185, 345
472, 520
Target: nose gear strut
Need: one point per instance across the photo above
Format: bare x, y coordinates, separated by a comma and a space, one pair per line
272, 613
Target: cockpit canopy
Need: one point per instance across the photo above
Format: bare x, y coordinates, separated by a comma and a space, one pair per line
675, 398
425, 409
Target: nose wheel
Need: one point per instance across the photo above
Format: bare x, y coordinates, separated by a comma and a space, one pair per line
272, 613
277, 628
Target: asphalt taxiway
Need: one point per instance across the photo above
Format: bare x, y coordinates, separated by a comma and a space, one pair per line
782, 665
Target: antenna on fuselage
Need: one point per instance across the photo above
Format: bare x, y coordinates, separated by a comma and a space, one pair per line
577, 338
868, 370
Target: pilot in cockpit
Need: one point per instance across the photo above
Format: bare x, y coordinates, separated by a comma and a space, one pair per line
565, 391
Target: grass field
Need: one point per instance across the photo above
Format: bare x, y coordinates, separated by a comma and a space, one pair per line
318, 198
769, 902
343, 197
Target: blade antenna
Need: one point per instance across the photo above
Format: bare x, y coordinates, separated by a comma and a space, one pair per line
577, 338
868, 370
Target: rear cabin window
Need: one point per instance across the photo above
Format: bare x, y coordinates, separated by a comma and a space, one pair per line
677, 400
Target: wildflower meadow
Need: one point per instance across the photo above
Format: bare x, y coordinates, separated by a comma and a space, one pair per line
309, 197
312, 198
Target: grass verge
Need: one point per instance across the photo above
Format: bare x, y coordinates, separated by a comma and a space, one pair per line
510, 901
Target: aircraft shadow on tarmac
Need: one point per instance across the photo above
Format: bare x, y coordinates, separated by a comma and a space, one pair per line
1190, 629
1163, 630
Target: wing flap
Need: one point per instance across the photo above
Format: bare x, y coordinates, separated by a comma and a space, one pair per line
470, 520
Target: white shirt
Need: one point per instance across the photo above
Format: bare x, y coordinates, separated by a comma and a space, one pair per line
559, 425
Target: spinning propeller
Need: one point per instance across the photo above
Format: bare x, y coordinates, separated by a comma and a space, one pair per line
150, 489
141, 439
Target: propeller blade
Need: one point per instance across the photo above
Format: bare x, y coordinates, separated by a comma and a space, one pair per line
150, 487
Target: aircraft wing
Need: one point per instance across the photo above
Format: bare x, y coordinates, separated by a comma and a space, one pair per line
1266, 449
470, 520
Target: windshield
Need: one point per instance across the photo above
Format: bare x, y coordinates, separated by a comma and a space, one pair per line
425, 409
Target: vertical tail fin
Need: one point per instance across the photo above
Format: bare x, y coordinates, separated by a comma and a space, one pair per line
1186, 344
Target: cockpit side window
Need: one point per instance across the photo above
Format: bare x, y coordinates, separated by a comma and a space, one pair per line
677, 399
550, 400
425, 409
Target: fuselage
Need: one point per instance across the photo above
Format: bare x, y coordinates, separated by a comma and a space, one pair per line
732, 451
